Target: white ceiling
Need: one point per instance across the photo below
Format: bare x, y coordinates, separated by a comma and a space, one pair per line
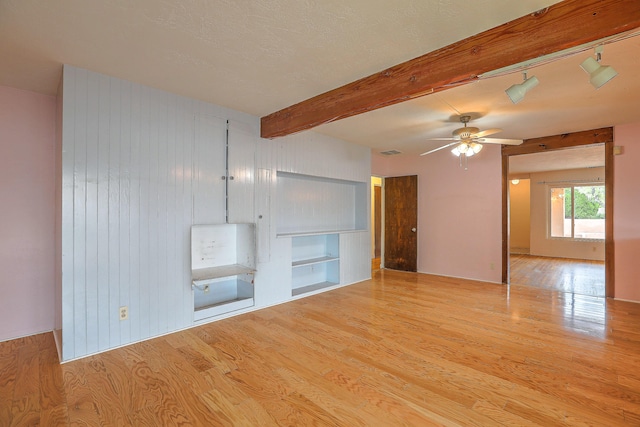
263, 55
571, 158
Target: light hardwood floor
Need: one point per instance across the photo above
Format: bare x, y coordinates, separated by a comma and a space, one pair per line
401, 349
583, 277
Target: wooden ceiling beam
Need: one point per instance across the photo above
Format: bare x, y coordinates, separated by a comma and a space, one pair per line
561, 26
559, 142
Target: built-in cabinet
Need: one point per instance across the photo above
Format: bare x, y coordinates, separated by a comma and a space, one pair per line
224, 171
315, 262
240, 173
223, 256
222, 268
313, 212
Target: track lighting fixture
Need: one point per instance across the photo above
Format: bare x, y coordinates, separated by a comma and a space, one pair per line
517, 91
598, 74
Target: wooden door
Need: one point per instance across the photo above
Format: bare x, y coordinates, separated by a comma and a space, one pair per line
400, 223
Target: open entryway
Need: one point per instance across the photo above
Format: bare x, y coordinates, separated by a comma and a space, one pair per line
557, 223
376, 223
558, 216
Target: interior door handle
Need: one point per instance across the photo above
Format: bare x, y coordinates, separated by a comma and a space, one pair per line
413, 229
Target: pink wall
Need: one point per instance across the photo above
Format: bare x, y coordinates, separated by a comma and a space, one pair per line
459, 212
626, 212
27, 216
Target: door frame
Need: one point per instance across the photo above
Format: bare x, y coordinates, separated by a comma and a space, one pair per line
558, 142
381, 185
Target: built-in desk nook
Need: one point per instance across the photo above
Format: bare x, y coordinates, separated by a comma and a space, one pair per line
222, 268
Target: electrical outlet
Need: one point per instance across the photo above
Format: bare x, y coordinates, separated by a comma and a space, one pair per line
492, 266
124, 312
206, 289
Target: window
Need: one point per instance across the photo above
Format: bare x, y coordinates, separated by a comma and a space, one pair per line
577, 212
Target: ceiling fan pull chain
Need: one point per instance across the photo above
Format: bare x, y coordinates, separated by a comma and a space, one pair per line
463, 161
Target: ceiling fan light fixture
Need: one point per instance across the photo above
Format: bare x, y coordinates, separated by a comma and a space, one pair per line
468, 141
467, 148
475, 147
599, 75
517, 91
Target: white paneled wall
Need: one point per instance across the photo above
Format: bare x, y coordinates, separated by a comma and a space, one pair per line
355, 263
315, 154
136, 175
141, 166
242, 153
209, 165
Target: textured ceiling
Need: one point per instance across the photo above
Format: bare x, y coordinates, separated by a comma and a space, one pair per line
263, 55
255, 56
571, 158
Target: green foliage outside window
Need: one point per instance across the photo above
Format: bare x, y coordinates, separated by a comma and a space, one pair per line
589, 202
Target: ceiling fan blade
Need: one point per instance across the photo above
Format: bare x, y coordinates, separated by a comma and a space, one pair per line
486, 133
444, 139
499, 141
440, 148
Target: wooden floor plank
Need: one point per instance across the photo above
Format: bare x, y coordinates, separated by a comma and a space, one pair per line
8, 372
578, 276
400, 349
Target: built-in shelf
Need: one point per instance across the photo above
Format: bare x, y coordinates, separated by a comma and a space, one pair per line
222, 267
321, 232
207, 274
315, 262
222, 296
311, 288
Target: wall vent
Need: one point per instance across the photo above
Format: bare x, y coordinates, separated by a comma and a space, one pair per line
390, 152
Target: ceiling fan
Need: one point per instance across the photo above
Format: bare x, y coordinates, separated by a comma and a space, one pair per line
468, 140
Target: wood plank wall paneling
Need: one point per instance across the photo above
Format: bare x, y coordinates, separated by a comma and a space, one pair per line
129, 199
262, 214
355, 261
242, 152
66, 243
209, 168
139, 167
318, 155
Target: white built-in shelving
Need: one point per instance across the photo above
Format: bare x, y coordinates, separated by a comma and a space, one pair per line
315, 262
313, 212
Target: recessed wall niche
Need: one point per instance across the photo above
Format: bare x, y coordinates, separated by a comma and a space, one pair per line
309, 204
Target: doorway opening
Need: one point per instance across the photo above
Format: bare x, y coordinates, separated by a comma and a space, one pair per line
553, 243
376, 223
557, 210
